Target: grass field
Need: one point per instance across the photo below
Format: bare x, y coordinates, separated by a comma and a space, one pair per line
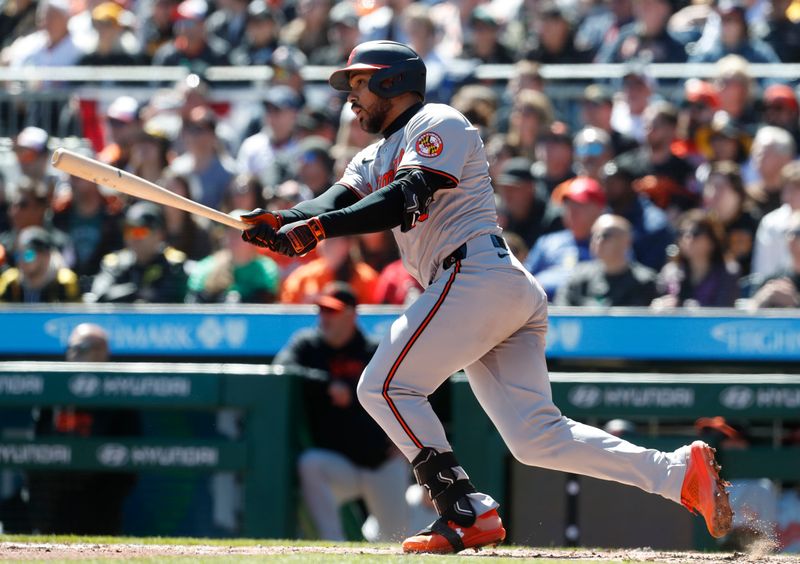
53, 549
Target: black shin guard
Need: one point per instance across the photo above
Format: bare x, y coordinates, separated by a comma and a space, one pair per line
435, 471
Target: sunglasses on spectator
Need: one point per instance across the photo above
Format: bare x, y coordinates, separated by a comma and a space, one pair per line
79, 348
606, 234
589, 150
27, 256
691, 232
137, 232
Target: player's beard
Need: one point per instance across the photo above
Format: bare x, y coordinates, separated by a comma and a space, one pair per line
375, 116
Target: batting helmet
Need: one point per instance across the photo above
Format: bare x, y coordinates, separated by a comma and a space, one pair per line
397, 67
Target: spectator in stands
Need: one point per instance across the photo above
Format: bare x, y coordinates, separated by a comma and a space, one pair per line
192, 46
155, 30
650, 225
185, 232
734, 38
728, 140
596, 108
111, 47
277, 141
627, 115
593, 150
781, 33
554, 29
41, 276
725, 199
17, 18
124, 128
209, 168
700, 101
151, 151
94, 224
245, 193
237, 273
396, 286
51, 46
479, 105
736, 89
146, 270
602, 24
422, 37
781, 288
286, 64
314, 167
773, 148
228, 22
82, 502
554, 154
555, 255
523, 204
612, 279
485, 43
782, 110
338, 261
385, 21
646, 38
531, 113
378, 249
770, 253
33, 155
343, 35
29, 205
349, 457
699, 273
260, 35
309, 30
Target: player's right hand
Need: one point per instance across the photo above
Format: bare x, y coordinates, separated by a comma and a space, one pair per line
265, 225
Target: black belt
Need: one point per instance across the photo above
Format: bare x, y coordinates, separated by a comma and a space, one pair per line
461, 252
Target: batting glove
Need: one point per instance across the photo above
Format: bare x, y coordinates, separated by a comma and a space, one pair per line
297, 239
264, 224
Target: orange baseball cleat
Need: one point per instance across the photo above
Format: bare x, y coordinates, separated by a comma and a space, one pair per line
444, 538
703, 491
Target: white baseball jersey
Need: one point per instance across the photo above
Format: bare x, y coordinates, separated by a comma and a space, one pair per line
436, 139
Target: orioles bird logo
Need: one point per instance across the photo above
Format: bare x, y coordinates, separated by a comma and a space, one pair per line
429, 145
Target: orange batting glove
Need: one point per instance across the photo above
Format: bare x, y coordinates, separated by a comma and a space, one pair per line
297, 239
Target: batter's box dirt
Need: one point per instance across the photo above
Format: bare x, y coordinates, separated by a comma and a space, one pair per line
220, 552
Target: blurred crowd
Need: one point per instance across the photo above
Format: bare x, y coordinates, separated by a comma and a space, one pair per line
636, 192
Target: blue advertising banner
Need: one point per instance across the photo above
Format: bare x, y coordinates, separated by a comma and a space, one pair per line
261, 331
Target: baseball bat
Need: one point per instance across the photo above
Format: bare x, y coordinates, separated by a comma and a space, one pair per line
107, 175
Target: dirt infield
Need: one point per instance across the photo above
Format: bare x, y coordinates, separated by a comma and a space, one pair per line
84, 551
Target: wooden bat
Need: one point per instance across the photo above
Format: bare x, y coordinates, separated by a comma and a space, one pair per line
107, 175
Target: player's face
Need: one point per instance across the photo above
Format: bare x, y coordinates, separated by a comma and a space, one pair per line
371, 110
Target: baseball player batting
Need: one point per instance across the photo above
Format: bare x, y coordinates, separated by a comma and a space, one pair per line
428, 181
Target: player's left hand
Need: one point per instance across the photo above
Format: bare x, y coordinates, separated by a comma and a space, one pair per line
297, 239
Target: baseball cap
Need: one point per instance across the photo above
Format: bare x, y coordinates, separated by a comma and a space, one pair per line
60, 5
194, 10
591, 142
124, 109
144, 214
597, 94
35, 238
780, 95
33, 138
108, 12
482, 15
582, 190
699, 91
728, 6
260, 10
344, 13
515, 170
283, 97
558, 131
336, 296
290, 59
